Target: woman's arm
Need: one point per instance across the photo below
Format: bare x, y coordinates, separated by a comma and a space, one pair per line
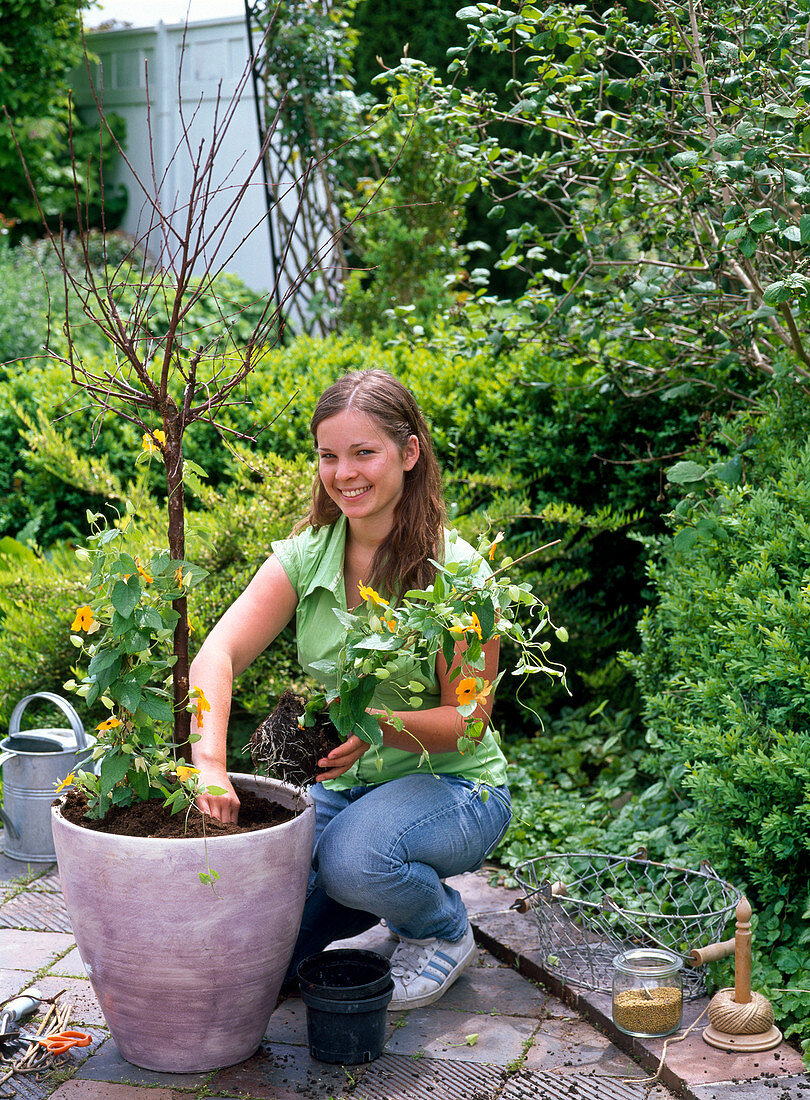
248, 626
436, 729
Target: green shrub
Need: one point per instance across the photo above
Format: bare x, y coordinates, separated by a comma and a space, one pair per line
23, 304
725, 677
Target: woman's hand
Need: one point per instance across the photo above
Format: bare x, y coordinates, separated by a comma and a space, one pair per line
342, 758
222, 807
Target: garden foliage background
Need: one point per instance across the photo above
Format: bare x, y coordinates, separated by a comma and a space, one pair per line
590, 266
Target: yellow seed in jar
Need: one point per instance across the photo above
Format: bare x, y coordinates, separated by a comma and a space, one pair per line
648, 1011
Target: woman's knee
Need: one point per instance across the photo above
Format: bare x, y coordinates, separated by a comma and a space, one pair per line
342, 864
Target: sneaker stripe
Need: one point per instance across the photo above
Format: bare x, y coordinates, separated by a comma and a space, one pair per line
437, 966
447, 958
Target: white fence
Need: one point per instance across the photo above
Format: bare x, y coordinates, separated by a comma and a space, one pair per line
149, 76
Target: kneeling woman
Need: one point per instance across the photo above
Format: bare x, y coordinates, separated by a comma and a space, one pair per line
385, 838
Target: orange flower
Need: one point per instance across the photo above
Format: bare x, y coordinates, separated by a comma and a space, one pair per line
178, 576
467, 691
185, 771
84, 618
142, 572
498, 538
108, 724
458, 629
201, 704
66, 782
391, 624
367, 593
153, 441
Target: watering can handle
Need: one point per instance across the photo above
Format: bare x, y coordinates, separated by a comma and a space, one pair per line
58, 701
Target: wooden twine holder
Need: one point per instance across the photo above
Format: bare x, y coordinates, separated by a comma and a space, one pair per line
740, 1020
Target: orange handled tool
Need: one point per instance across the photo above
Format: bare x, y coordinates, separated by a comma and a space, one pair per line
62, 1041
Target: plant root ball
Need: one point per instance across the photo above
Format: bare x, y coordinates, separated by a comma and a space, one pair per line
288, 751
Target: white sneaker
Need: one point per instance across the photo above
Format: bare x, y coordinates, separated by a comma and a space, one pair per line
423, 970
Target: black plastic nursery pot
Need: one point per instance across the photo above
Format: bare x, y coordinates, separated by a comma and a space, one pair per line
346, 993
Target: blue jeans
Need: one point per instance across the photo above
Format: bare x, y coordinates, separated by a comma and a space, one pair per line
382, 852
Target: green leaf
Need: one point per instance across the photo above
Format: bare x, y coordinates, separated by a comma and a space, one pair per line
781, 111
621, 89
448, 648
125, 596
150, 618
685, 539
155, 707
726, 144
762, 222
114, 767
368, 728
129, 695
731, 471
685, 473
135, 641
687, 159
776, 293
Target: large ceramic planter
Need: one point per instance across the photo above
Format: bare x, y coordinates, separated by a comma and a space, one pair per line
187, 980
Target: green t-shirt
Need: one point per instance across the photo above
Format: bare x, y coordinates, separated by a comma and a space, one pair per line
313, 561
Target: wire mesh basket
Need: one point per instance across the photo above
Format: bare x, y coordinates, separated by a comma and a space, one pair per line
591, 907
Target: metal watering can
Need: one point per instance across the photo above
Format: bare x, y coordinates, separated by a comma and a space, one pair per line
34, 762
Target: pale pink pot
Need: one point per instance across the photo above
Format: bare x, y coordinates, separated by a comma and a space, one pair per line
187, 980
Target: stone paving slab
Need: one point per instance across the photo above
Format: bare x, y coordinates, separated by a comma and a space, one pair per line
70, 966
27, 950
107, 1064
13, 982
569, 1044
490, 988
458, 1036
85, 1009
777, 1088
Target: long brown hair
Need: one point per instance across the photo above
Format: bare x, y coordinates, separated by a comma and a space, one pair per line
402, 561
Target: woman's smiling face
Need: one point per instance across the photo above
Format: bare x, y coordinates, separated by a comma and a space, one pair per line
362, 468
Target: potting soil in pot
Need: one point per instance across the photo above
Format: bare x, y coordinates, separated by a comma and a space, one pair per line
152, 819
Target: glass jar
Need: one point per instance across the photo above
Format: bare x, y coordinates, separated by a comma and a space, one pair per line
647, 992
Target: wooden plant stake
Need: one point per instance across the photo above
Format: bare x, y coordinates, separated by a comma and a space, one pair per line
740, 1020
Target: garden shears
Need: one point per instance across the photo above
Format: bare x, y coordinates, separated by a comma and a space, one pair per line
62, 1041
